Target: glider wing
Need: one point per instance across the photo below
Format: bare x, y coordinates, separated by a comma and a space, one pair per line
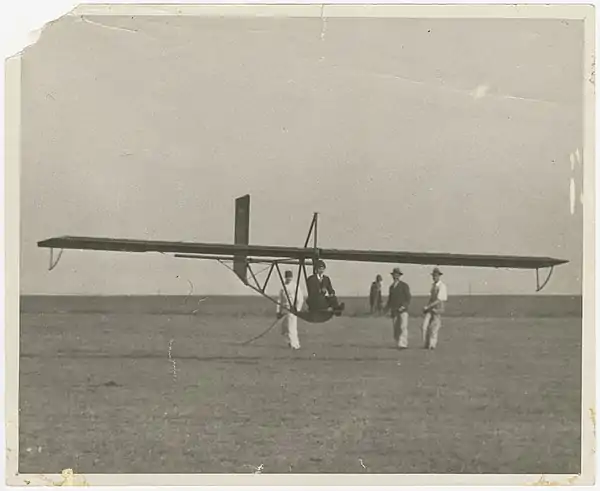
235, 251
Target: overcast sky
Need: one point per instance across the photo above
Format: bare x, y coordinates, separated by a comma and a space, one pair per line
405, 134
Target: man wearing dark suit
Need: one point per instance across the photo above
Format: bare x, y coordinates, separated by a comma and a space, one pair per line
397, 304
320, 292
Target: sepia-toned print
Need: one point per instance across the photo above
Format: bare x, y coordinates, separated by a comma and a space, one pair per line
292, 243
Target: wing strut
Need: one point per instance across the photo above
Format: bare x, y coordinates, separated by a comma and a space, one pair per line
539, 287
312, 231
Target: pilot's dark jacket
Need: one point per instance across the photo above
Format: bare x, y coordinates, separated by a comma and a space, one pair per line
318, 291
399, 296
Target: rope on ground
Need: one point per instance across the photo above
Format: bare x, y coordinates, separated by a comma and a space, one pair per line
262, 333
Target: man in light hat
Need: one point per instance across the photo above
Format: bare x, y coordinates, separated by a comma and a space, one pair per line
397, 304
321, 295
433, 310
289, 326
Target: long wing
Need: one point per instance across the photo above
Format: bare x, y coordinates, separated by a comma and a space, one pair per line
443, 259
229, 250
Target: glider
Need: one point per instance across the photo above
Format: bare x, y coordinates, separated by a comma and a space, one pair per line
243, 256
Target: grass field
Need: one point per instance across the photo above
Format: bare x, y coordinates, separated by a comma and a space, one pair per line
128, 391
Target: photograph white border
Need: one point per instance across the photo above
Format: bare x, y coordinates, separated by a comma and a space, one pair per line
586, 13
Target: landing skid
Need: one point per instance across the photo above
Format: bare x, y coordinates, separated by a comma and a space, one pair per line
539, 287
54, 263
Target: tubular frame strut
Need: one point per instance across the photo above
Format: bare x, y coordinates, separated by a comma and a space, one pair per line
302, 263
261, 289
274, 265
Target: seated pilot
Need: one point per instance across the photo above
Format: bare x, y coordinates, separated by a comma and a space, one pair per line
321, 295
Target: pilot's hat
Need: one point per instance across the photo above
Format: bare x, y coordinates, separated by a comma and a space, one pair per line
289, 274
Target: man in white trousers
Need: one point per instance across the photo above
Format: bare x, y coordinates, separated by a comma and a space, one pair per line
433, 310
289, 326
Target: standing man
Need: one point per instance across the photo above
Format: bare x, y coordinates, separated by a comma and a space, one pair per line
289, 326
375, 297
433, 310
398, 302
321, 295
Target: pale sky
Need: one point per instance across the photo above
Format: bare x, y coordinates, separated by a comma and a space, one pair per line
405, 134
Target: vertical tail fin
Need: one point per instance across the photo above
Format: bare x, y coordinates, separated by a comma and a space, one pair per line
242, 235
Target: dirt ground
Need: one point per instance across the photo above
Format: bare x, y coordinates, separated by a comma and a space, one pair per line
125, 393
